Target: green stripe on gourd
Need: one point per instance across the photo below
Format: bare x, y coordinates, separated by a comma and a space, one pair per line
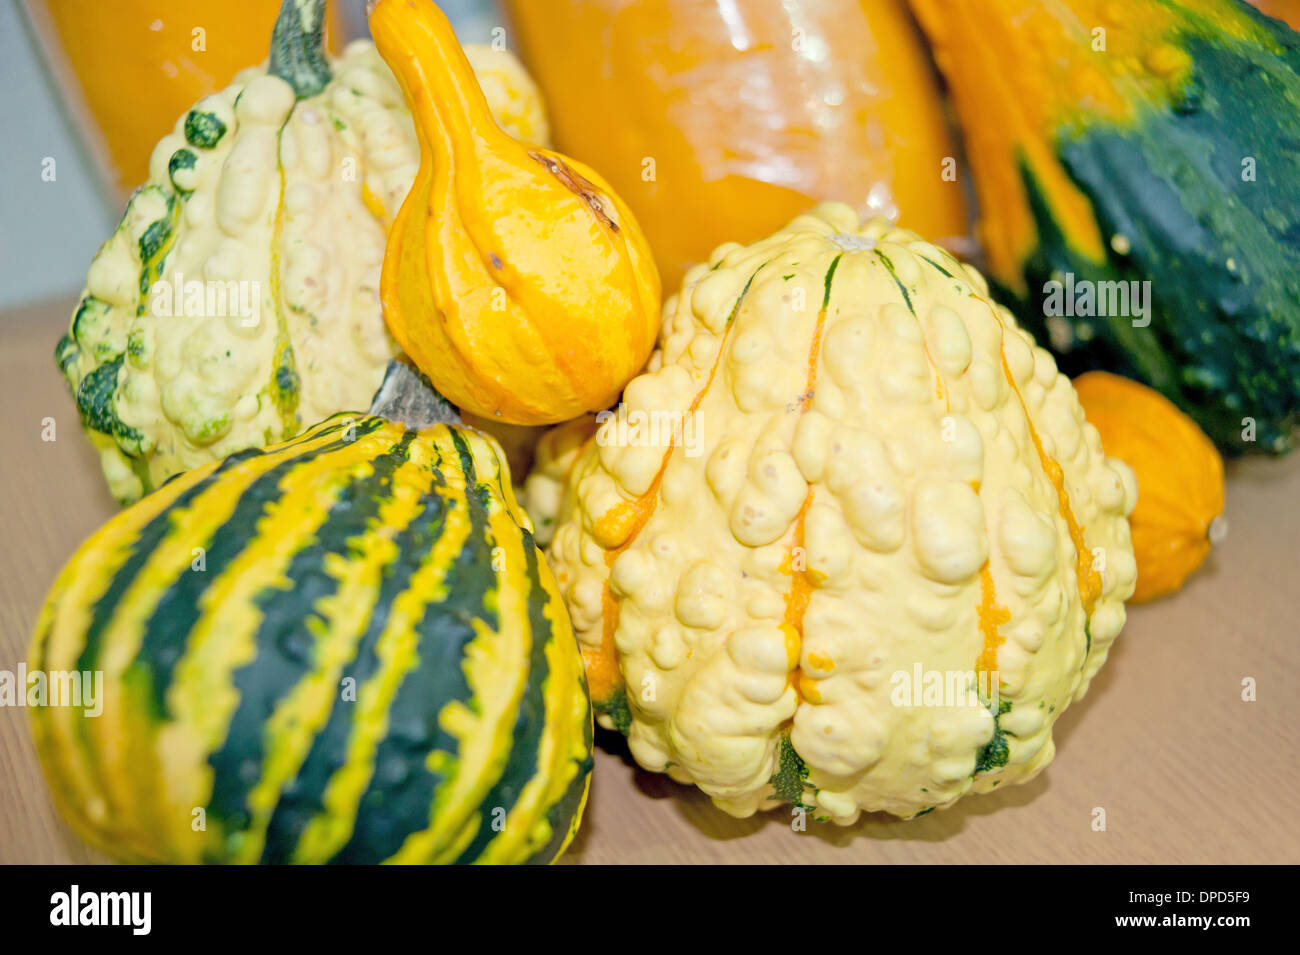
363, 554
528, 732
305, 800
284, 656
396, 802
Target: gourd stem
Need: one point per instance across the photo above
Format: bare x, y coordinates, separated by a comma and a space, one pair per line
297, 52
406, 396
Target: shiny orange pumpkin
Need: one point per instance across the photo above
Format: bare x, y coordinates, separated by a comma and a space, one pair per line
721, 121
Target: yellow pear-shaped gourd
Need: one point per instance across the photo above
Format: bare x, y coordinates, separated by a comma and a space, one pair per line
514, 277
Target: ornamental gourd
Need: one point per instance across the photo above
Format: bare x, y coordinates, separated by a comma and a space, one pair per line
865, 478
343, 648
719, 121
1179, 474
514, 277
238, 300
1139, 192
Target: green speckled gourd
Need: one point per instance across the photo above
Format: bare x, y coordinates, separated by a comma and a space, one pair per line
343, 648
1149, 141
237, 302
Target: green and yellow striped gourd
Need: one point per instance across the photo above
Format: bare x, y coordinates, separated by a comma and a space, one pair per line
344, 648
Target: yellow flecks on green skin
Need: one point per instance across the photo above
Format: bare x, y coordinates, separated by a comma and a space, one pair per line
202, 697
343, 616
329, 830
1168, 61
1227, 20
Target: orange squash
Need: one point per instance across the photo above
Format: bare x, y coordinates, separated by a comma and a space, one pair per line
720, 122
514, 277
1288, 11
130, 67
1179, 475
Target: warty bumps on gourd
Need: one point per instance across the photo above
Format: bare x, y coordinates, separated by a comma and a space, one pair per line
886, 474
264, 223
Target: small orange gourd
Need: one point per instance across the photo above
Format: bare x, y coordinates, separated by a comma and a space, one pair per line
514, 277
1179, 475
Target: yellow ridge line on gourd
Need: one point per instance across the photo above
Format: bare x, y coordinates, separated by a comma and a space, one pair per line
496, 688
202, 697
329, 830
83, 582
303, 711
283, 342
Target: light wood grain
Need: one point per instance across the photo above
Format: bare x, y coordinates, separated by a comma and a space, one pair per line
1186, 771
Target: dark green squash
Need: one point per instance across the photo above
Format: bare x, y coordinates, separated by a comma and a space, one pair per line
1146, 142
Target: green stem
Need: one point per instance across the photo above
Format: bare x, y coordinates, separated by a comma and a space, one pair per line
297, 53
407, 396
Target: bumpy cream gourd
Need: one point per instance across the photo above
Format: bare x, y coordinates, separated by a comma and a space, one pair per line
238, 300
878, 477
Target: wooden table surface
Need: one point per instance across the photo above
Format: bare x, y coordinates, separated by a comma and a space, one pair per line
1186, 771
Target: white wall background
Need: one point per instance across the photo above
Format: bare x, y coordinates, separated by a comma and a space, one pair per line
49, 231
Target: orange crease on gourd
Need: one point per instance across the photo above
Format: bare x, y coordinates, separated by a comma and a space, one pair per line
801, 580
616, 530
